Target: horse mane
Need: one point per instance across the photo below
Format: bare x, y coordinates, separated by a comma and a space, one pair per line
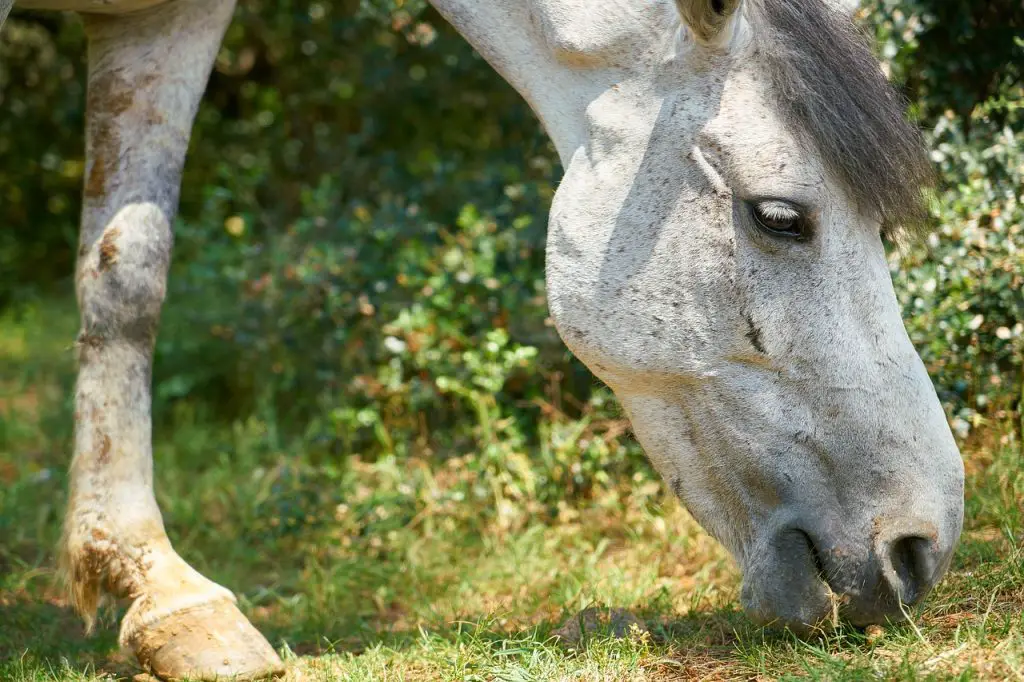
835, 98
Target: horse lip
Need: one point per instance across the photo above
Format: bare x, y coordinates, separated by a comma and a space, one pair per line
806, 585
819, 566
877, 580
783, 584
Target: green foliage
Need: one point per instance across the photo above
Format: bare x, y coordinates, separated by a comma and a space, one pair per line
359, 257
42, 97
378, 332
962, 289
954, 54
359, 396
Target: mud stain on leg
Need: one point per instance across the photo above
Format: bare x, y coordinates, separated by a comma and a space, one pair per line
108, 248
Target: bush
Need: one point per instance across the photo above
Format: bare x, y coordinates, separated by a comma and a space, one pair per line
954, 55
962, 289
359, 256
42, 96
376, 332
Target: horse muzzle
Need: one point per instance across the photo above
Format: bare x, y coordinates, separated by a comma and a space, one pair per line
803, 577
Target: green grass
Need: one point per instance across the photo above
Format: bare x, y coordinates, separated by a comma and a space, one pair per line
411, 570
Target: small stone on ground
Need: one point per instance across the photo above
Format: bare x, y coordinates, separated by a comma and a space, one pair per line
618, 623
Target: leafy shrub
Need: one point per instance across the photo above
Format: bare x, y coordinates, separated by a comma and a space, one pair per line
42, 103
962, 289
379, 333
359, 258
953, 54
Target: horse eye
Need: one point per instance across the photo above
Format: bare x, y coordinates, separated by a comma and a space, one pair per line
780, 219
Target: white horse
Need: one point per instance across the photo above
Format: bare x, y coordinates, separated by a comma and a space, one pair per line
715, 255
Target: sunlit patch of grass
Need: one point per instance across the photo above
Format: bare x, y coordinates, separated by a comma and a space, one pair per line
398, 570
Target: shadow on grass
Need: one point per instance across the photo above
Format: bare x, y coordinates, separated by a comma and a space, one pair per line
315, 613
708, 635
40, 634
714, 643
46, 640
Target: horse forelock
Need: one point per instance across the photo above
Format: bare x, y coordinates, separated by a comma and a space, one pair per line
833, 96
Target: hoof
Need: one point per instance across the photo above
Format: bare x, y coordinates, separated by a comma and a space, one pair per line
212, 641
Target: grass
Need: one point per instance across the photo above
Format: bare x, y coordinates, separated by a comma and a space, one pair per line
410, 570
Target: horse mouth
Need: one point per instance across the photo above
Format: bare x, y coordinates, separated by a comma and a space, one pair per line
880, 588
798, 581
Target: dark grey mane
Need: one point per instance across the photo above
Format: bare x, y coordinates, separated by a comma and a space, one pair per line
834, 97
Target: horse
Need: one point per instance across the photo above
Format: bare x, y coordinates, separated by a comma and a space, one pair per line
715, 255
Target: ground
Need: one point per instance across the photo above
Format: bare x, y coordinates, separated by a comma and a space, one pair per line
407, 577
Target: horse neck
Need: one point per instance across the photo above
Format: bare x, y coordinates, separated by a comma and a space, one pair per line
560, 55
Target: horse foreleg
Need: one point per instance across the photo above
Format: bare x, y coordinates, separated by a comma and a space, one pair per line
147, 72
5, 9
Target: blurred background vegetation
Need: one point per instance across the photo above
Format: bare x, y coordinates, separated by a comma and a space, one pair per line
358, 274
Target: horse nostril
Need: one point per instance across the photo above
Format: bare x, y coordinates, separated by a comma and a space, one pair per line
911, 567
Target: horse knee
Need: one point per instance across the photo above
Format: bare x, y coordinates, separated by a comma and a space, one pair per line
122, 276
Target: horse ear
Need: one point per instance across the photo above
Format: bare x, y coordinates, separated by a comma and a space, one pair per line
707, 18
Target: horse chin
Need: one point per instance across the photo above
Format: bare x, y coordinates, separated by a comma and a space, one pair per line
782, 585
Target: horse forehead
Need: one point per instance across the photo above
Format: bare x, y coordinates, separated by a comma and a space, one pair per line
750, 142
652, 134
679, 101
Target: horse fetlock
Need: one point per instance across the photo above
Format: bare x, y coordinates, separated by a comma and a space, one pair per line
99, 559
94, 564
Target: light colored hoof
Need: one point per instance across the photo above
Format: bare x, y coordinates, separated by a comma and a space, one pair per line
212, 641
